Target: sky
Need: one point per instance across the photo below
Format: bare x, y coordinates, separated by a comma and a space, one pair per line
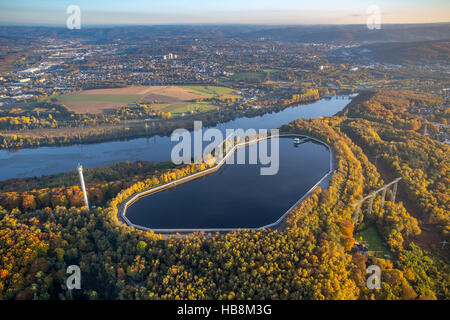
151, 12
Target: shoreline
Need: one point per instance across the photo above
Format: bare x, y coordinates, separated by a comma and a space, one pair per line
136, 128
278, 224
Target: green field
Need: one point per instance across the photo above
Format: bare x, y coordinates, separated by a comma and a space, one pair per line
213, 91
258, 76
174, 99
179, 108
271, 70
371, 236
249, 76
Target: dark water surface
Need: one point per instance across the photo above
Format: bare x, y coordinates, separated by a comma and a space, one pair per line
236, 196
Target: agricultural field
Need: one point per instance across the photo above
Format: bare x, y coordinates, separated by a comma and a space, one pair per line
174, 99
179, 108
214, 91
252, 77
264, 75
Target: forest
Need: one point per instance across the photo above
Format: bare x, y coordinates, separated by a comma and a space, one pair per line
312, 258
389, 131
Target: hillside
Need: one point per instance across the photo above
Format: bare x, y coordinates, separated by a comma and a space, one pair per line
312, 258
423, 52
356, 33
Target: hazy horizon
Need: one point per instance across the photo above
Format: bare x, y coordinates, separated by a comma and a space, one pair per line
215, 24
250, 12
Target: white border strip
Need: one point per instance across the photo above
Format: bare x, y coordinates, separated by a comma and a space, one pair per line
123, 207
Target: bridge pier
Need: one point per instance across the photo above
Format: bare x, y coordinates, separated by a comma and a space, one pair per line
371, 197
356, 215
369, 210
394, 192
383, 197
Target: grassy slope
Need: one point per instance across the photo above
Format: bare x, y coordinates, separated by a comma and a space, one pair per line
213, 91
373, 238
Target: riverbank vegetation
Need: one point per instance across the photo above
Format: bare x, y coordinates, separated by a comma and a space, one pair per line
58, 126
28, 194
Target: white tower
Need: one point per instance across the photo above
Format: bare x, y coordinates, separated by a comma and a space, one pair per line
425, 132
83, 188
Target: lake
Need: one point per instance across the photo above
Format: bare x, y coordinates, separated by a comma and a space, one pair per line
52, 160
236, 196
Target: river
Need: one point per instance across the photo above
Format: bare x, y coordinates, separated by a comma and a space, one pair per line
52, 160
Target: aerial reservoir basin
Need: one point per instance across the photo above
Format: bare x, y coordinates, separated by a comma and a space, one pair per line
236, 196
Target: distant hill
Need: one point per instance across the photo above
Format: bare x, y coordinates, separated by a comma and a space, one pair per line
357, 33
424, 52
376, 104
299, 33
